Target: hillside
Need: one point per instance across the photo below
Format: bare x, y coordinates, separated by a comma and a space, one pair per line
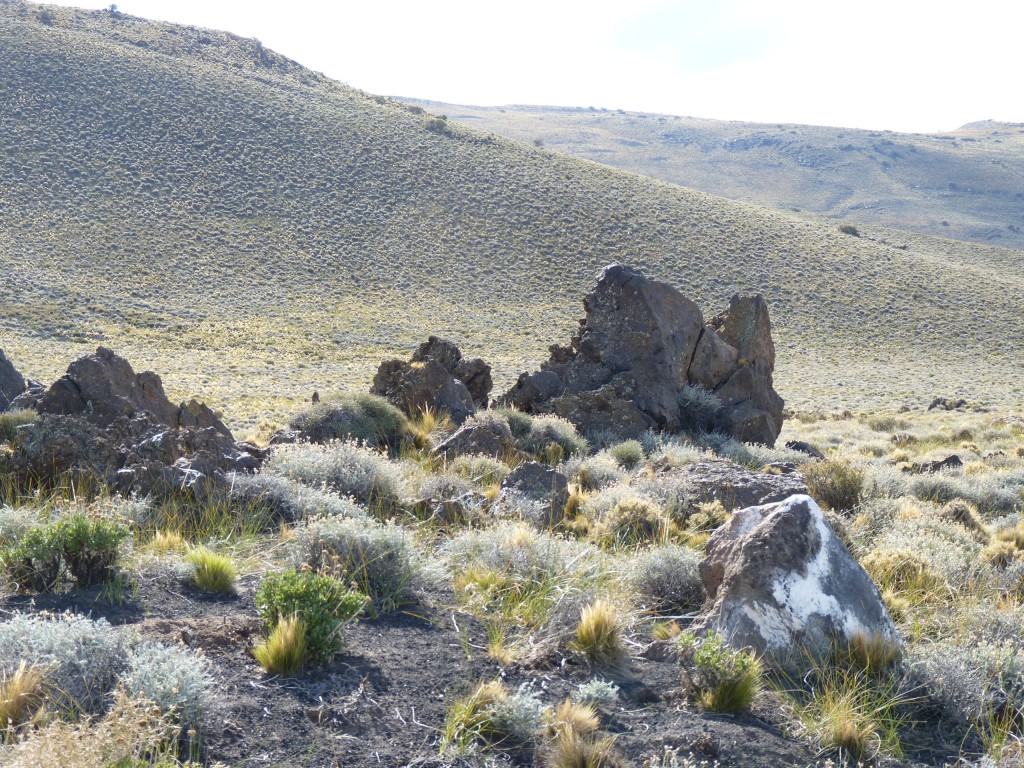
965, 184
252, 230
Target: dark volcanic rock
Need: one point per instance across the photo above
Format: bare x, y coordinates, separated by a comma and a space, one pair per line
488, 436
781, 582
539, 482
12, 383
735, 486
640, 344
437, 377
950, 462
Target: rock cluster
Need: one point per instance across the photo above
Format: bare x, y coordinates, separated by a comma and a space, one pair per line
781, 582
104, 420
437, 377
12, 383
640, 344
717, 480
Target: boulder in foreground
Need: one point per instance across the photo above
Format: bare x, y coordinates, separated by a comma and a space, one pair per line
779, 581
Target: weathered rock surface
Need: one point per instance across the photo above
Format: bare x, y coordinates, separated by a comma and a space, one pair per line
735, 486
540, 483
12, 383
928, 467
437, 377
640, 343
103, 420
489, 436
781, 582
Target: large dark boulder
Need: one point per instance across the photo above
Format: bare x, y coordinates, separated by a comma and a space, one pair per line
12, 383
102, 420
640, 344
781, 582
437, 377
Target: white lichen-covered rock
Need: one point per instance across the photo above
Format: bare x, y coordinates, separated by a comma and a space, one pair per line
781, 582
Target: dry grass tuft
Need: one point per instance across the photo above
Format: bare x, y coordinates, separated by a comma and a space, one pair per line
599, 634
284, 650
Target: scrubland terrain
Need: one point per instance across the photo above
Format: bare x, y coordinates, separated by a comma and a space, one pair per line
254, 231
482, 622
962, 184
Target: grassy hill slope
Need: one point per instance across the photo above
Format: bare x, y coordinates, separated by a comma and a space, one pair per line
252, 230
965, 184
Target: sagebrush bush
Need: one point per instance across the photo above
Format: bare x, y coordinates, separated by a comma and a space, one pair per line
82, 659
358, 416
443, 486
724, 679
594, 473
628, 453
518, 421
347, 468
700, 410
173, 678
666, 579
950, 551
15, 522
834, 483
900, 570
380, 559
289, 501
482, 470
322, 602
548, 430
518, 717
212, 572
597, 692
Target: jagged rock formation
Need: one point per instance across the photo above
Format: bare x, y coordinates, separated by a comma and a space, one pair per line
640, 344
437, 377
12, 383
104, 420
781, 582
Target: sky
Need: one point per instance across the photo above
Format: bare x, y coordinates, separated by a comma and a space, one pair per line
901, 65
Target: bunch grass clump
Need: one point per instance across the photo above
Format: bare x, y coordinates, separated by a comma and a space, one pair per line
212, 572
22, 693
835, 484
724, 679
11, 420
552, 437
598, 635
283, 652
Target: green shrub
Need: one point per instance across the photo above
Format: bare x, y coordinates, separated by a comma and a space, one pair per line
88, 548
628, 453
361, 417
322, 602
724, 679
835, 484
700, 410
379, 559
518, 421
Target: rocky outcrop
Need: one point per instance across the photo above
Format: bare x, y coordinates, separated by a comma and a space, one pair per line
781, 582
437, 377
640, 344
734, 486
103, 420
12, 383
538, 483
487, 435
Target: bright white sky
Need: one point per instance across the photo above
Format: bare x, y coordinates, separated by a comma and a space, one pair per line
904, 65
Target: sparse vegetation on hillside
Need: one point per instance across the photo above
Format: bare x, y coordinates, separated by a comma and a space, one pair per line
255, 231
